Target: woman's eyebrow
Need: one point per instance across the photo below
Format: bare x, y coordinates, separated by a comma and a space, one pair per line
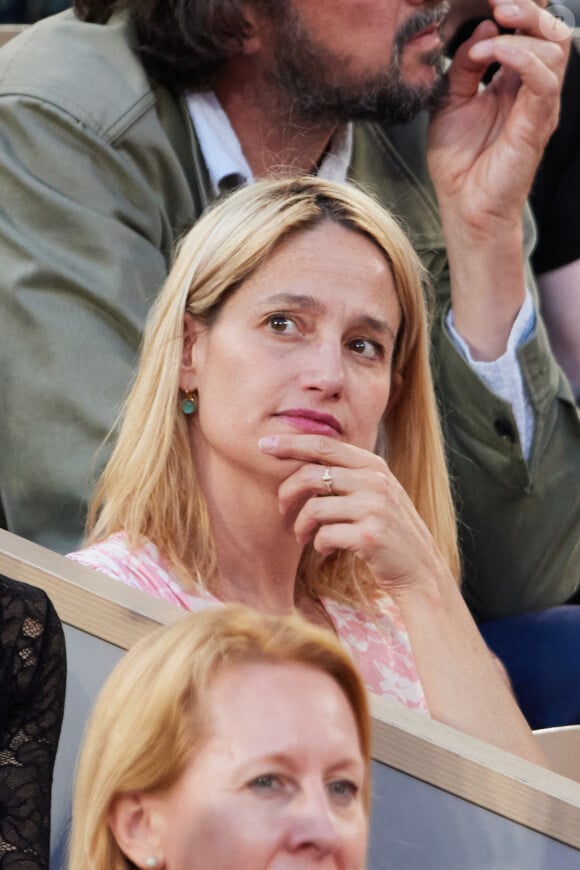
379, 326
298, 300
309, 303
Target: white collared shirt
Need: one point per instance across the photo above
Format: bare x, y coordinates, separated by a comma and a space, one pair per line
223, 153
224, 157
219, 144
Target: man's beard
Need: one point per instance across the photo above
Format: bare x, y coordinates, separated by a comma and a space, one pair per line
310, 75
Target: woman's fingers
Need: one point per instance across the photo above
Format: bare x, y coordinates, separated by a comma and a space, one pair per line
384, 531
362, 508
317, 449
345, 498
328, 480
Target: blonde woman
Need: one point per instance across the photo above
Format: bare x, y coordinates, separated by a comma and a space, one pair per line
287, 359
228, 739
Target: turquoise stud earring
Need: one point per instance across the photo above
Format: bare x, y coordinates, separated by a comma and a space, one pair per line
189, 402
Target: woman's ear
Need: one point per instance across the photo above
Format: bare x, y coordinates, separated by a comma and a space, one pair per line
138, 829
191, 332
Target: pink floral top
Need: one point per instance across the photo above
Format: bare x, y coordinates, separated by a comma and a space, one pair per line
379, 646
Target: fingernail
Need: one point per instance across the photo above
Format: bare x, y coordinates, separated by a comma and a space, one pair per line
268, 443
510, 10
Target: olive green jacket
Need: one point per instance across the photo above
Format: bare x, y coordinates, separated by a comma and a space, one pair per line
99, 174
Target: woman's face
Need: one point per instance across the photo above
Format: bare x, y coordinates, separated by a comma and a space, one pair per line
278, 785
304, 345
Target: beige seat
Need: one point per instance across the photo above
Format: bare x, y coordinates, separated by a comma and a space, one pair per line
441, 799
562, 749
7, 31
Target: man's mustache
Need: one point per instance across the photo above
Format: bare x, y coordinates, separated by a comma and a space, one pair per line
421, 20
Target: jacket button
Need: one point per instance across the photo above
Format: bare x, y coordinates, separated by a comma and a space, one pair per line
505, 430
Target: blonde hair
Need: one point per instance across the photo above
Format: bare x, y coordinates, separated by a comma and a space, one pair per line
149, 715
149, 488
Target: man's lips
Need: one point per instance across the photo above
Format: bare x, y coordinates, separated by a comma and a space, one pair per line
422, 28
310, 421
427, 35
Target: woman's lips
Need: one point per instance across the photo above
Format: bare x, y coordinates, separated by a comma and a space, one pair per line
313, 422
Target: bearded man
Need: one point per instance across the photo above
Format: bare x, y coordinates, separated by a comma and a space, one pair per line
120, 122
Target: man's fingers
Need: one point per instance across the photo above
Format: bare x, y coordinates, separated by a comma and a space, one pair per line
538, 33
535, 113
512, 50
465, 72
530, 18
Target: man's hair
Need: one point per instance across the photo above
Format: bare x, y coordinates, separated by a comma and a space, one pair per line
151, 714
150, 488
183, 43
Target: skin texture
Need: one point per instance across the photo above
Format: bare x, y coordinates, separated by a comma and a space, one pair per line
268, 354
299, 338
560, 300
346, 46
324, 78
278, 784
312, 361
484, 149
363, 34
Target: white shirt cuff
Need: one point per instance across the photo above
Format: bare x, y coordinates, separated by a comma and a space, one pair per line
503, 376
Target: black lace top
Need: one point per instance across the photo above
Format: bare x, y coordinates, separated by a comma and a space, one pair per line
32, 689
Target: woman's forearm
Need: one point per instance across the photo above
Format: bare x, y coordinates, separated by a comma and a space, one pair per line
463, 685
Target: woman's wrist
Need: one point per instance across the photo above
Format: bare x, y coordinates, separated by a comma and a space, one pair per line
428, 588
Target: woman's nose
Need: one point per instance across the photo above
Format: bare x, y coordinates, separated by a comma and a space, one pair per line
324, 369
313, 825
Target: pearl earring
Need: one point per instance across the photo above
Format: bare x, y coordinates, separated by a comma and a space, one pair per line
151, 861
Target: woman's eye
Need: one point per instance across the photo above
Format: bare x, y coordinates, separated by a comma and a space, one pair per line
267, 783
281, 323
343, 790
367, 348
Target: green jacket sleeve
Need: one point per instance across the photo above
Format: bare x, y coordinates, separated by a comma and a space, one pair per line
80, 251
85, 242
519, 522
